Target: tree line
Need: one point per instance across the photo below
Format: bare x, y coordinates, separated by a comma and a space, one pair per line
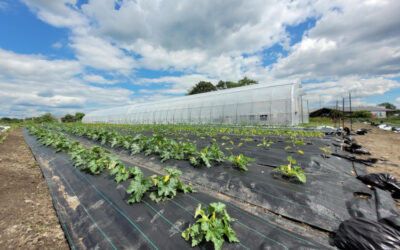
203, 86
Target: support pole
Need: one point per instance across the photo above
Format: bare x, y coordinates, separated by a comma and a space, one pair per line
336, 114
343, 114
351, 113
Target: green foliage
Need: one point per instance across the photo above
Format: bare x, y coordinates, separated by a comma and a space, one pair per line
72, 118
243, 82
47, 118
4, 134
240, 161
68, 118
291, 170
295, 145
96, 160
207, 155
79, 116
387, 105
202, 87
160, 187
362, 114
7, 120
266, 144
213, 225
326, 151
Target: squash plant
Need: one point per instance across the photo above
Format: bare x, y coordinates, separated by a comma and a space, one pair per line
291, 170
327, 151
240, 161
213, 225
160, 187
266, 144
207, 155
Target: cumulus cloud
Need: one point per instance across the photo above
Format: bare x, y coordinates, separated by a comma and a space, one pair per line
100, 54
354, 44
330, 91
59, 13
357, 38
98, 79
33, 84
174, 84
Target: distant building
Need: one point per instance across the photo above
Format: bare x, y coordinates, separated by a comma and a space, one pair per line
376, 111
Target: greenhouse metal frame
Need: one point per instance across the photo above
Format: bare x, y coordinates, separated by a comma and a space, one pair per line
276, 103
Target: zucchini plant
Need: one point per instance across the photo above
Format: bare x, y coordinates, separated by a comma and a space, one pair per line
207, 155
160, 187
240, 161
213, 225
327, 151
265, 144
291, 170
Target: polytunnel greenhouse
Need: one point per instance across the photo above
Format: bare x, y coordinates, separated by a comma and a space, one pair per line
276, 103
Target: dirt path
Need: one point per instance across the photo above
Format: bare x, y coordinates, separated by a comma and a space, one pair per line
382, 145
27, 216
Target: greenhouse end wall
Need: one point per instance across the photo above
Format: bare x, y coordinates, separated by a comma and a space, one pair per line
272, 104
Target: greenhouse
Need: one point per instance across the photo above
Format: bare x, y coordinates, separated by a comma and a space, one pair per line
274, 103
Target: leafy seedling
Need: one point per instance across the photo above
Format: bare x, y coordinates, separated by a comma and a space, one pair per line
266, 144
213, 225
291, 170
240, 161
327, 151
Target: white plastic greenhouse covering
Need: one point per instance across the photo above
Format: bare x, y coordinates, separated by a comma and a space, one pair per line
276, 103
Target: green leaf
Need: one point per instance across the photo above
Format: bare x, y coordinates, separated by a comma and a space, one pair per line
137, 189
301, 177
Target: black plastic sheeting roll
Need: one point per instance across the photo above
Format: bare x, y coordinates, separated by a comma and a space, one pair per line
94, 213
365, 234
331, 195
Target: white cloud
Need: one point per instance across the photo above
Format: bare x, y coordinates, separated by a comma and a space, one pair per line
57, 45
175, 84
32, 84
357, 38
329, 92
100, 54
58, 13
98, 79
355, 44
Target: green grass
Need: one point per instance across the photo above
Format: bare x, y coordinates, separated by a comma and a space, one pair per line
317, 121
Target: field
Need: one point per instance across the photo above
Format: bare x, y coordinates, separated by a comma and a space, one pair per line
140, 185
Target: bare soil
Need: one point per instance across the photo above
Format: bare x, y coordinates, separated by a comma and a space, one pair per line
27, 216
383, 145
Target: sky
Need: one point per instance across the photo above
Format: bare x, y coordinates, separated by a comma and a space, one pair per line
68, 56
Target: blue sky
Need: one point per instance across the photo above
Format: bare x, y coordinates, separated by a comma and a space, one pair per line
67, 56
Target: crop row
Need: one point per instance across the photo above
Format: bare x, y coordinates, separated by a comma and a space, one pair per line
96, 160
168, 148
214, 224
158, 144
209, 130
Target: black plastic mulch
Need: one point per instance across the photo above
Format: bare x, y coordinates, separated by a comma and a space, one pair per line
94, 213
331, 195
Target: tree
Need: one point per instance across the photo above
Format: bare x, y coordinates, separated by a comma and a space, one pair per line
79, 116
68, 118
246, 81
73, 118
242, 82
362, 114
47, 118
387, 105
202, 87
